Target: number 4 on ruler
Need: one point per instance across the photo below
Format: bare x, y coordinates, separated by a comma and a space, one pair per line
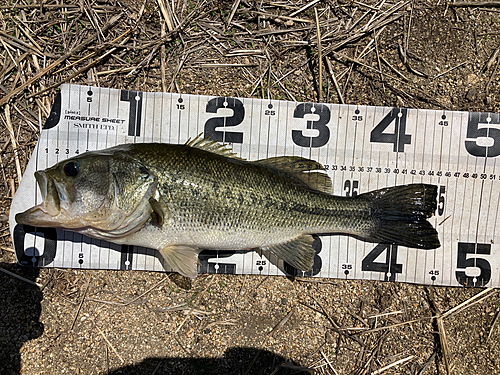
399, 138
390, 268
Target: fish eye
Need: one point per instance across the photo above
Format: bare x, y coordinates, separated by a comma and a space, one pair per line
71, 169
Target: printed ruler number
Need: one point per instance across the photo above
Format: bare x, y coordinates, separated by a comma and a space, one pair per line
135, 112
441, 200
483, 265
351, 188
216, 122
215, 267
399, 138
320, 125
390, 268
23, 249
474, 131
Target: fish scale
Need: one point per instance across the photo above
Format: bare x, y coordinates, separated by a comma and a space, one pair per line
231, 195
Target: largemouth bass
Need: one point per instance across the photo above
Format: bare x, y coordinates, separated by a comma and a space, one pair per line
182, 199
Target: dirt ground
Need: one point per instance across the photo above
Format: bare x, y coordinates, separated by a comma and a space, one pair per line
418, 54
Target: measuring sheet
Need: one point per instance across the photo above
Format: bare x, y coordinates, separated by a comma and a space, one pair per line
362, 148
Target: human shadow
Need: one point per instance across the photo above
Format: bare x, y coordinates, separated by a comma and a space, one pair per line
20, 309
234, 361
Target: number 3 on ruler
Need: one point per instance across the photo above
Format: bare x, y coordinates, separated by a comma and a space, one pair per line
320, 125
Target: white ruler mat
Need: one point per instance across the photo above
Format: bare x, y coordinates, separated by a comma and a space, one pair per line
362, 148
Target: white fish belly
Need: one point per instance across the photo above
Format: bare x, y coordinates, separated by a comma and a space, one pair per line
159, 238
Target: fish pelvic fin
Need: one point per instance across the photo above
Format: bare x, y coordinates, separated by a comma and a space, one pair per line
182, 258
299, 252
401, 214
307, 171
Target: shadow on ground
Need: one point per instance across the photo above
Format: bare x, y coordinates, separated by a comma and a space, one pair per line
235, 361
20, 310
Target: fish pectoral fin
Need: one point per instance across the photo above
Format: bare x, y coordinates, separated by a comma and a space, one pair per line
307, 171
182, 259
158, 212
299, 252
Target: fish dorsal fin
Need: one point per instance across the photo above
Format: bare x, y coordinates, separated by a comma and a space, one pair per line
298, 253
210, 145
301, 168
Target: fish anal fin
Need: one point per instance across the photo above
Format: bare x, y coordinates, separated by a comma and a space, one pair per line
182, 258
210, 145
299, 253
309, 172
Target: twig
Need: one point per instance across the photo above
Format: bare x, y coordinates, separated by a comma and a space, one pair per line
444, 344
332, 74
80, 305
375, 25
393, 69
385, 314
113, 21
366, 66
20, 277
308, 5
365, 5
279, 16
9, 249
487, 89
8, 123
320, 60
235, 65
243, 52
397, 363
133, 300
495, 321
471, 301
162, 60
427, 364
166, 14
234, 8
101, 48
282, 322
81, 70
184, 321
328, 362
475, 4
283, 87
231, 322
449, 70
22, 44
366, 330
109, 343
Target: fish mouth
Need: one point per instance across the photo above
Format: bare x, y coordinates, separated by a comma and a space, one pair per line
45, 214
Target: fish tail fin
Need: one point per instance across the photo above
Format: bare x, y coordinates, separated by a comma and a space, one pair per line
401, 214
